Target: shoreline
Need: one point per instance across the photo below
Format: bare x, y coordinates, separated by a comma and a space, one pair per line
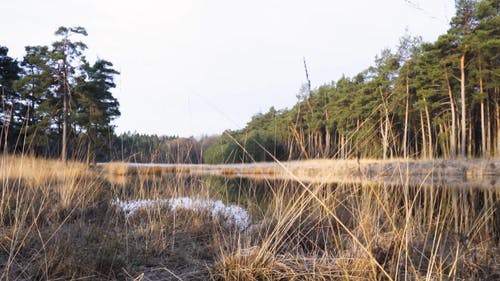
474, 172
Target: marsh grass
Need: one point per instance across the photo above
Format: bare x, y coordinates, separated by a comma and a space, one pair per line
371, 232
57, 222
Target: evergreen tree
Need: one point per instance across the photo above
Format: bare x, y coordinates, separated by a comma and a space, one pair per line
35, 88
67, 60
9, 73
96, 106
462, 26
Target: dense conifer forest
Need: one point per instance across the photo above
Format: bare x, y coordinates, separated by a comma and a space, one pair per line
420, 100
55, 102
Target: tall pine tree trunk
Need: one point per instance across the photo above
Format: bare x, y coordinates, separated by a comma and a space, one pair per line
470, 145
5, 127
453, 134
327, 143
429, 129
91, 136
424, 140
488, 126
89, 151
385, 141
497, 113
464, 115
384, 128
65, 116
407, 110
483, 127
443, 143
291, 146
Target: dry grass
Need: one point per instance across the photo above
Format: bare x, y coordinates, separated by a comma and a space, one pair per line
126, 169
38, 172
119, 169
42, 205
57, 222
371, 233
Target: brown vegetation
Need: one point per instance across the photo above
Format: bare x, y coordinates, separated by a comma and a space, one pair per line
58, 222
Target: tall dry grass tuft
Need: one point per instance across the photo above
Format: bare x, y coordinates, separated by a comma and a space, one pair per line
126, 169
118, 169
43, 204
38, 172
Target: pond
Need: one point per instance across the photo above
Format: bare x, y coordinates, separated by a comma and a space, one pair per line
358, 230
468, 210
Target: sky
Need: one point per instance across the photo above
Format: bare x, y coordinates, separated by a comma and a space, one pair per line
199, 67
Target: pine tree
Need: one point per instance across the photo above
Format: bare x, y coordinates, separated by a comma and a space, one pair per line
9, 73
35, 89
96, 106
68, 59
462, 26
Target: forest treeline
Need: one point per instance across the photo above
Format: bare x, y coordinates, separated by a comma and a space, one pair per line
55, 103
143, 148
420, 100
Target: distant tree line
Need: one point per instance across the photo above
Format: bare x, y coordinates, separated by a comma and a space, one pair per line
54, 103
143, 148
423, 100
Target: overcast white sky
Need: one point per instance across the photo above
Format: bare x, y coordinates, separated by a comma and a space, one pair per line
193, 67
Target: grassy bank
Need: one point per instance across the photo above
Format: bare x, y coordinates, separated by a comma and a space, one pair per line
59, 222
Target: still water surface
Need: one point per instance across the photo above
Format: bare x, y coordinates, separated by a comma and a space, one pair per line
246, 201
